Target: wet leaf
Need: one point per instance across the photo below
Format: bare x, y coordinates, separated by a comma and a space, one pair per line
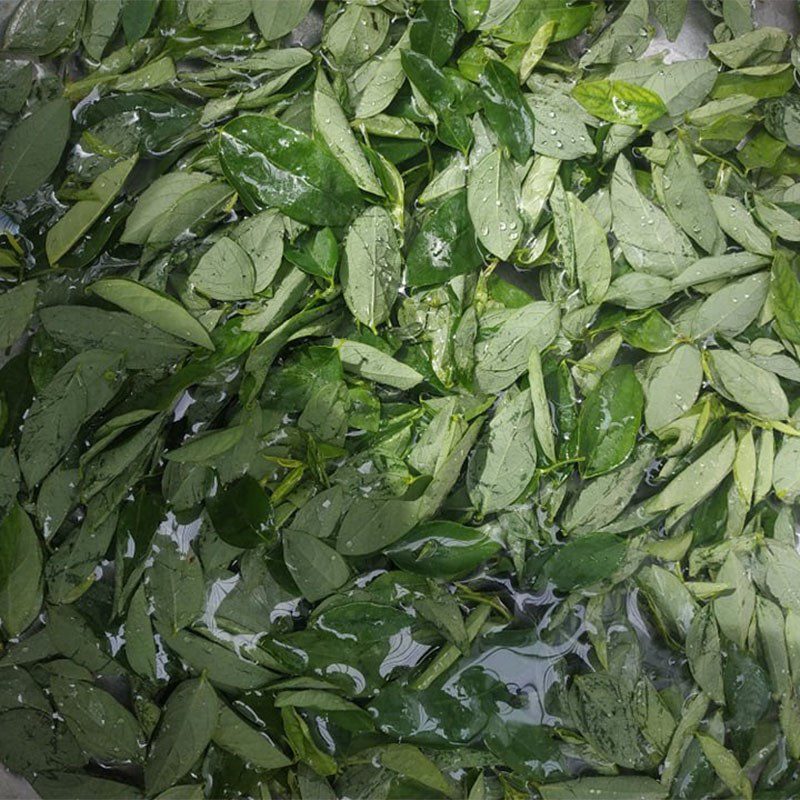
621, 102
372, 266
26, 161
273, 165
609, 421
187, 724
101, 726
82, 387
154, 307
20, 572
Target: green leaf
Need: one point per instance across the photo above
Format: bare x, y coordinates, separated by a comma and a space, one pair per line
441, 91
206, 447
101, 726
504, 462
442, 549
153, 307
211, 15
620, 102
506, 109
748, 385
193, 213
242, 513
175, 584
158, 200
585, 249
372, 364
671, 14
618, 787
303, 745
649, 240
251, 745
771, 626
760, 46
137, 16
783, 567
16, 79
321, 514
726, 766
277, 19
331, 125
316, 699
502, 354
434, 31
688, 201
492, 200
410, 762
713, 268
784, 297
703, 652
585, 561
100, 24
538, 46
625, 39
356, 34
55, 784
317, 569
273, 165
729, 310
261, 237
41, 26
140, 646
150, 76
785, 478
636, 290
542, 421
601, 500
20, 572
735, 610
26, 160
738, 223
385, 80
227, 670
672, 385
697, 480
609, 421
187, 724
81, 388
16, 308
520, 25
63, 236
372, 266
671, 602
445, 245
777, 220
369, 525
225, 272
85, 328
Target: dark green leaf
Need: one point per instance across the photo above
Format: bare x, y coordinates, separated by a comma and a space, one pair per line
20, 572
26, 161
506, 109
272, 165
434, 31
187, 725
242, 513
585, 561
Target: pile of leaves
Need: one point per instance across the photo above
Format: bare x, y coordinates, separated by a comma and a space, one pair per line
409, 414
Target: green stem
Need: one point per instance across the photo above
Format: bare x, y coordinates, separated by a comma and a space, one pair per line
449, 654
